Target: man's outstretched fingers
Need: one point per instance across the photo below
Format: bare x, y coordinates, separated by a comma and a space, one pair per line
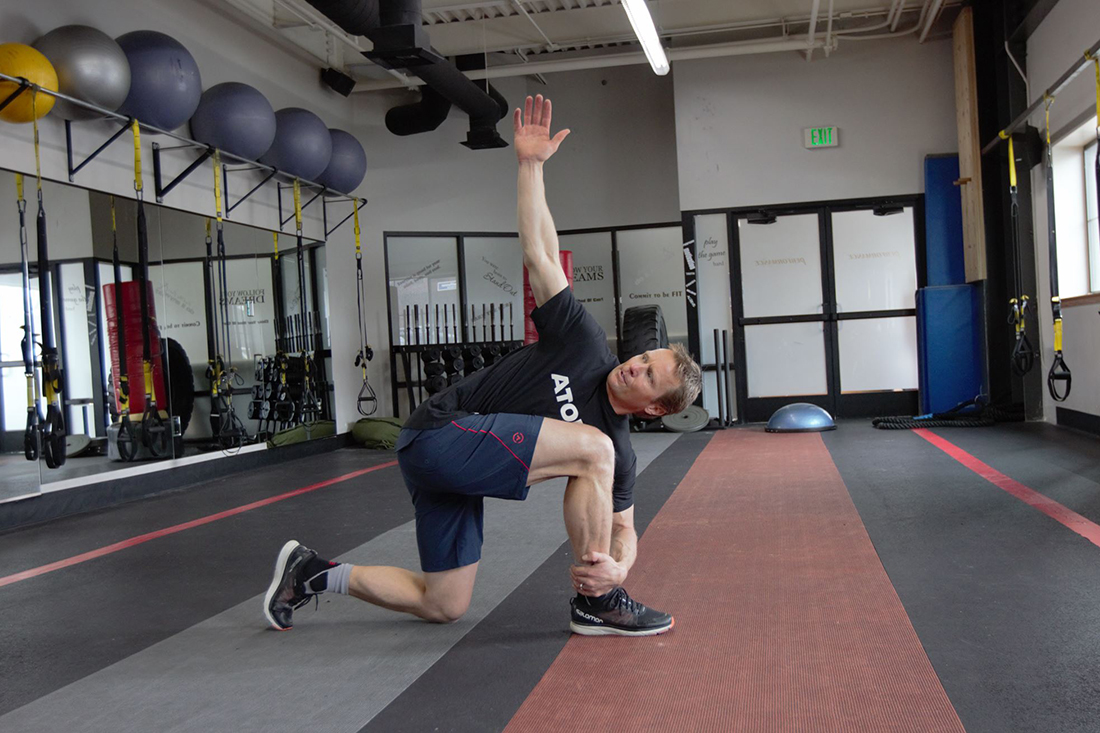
517, 120
536, 111
527, 111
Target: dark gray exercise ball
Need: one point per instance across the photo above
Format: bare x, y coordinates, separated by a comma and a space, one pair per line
302, 147
236, 118
90, 66
348, 165
165, 86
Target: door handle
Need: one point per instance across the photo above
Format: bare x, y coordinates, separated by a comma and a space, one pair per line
960, 182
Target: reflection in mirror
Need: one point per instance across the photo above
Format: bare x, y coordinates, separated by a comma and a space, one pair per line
228, 361
19, 302
494, 288
34, 412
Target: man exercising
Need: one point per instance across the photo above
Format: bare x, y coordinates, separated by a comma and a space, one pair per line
557, 408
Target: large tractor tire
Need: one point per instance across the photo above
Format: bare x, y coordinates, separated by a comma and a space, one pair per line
179, 380
643, 330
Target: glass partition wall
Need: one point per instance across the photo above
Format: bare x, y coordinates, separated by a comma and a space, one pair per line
456, 299
234, 304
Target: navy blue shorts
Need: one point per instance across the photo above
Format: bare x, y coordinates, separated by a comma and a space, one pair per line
450, 470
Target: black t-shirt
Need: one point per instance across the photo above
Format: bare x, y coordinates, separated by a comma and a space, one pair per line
562, 376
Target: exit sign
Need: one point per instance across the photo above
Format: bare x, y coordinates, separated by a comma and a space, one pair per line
820, 137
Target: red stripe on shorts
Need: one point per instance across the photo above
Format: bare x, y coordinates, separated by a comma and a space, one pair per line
490, 432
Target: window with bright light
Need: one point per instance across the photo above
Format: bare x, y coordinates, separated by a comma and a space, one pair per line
1093, 217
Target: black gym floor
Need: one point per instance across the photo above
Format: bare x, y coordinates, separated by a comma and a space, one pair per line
167, 633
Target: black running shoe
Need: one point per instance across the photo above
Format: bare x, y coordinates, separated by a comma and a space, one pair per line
616, 613
288, 592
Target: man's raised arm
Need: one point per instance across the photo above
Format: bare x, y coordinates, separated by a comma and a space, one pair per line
537, 234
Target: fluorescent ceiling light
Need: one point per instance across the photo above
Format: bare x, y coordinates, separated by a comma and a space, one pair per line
642, 23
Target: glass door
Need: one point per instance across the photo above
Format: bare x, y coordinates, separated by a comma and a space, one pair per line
783, 341
824, 304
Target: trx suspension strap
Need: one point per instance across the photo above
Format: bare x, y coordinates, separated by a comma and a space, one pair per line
124, 441
1023, 355
229, 430
31, 445
213, 362
53, 429
154, 429
1059, 371
367, 403
306, 402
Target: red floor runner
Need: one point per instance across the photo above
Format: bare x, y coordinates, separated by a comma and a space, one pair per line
785, 618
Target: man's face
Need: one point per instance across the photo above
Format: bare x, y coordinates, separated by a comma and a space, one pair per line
638, 383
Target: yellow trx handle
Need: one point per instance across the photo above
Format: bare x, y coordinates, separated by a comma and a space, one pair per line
1011, 164
1050, 103
208, 227
358, 250
18, 187
137, 156
217, 186
1057, 333
275, 238
148, 377
114, 227
298, 204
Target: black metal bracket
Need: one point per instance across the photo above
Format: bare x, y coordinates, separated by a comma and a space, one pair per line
73, 170
282, 221
225, 185
24, 85
359, 203
162, 190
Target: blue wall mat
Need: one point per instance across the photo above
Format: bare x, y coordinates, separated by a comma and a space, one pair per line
943, 221
949, 346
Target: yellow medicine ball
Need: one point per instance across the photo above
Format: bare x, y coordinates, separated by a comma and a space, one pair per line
17, 59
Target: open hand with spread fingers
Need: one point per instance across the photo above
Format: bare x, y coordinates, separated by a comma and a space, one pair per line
532, 126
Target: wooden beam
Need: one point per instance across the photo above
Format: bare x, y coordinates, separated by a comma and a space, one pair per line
970, 157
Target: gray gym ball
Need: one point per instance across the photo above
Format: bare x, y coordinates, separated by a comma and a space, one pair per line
90, 67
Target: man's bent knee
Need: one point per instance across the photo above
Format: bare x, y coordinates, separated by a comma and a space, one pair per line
446, 612
599, 454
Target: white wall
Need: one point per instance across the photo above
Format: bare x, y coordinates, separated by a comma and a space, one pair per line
739, 123
1061, 39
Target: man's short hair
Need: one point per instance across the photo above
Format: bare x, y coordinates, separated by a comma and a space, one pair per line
691, 382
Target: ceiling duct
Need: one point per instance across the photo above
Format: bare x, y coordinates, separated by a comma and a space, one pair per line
400, 42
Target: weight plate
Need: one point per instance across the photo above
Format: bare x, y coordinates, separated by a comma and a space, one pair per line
76, 444
690, 420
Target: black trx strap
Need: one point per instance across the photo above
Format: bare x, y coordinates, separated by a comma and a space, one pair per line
53, 429
1023, 354
124, 441
226, 426
367, 402
154, 429
31, 437
307, 407
1059, 371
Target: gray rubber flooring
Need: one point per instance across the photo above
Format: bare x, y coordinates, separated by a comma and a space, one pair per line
335, 671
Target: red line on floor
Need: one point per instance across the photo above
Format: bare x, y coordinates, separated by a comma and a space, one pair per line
1058, 512
141, 539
